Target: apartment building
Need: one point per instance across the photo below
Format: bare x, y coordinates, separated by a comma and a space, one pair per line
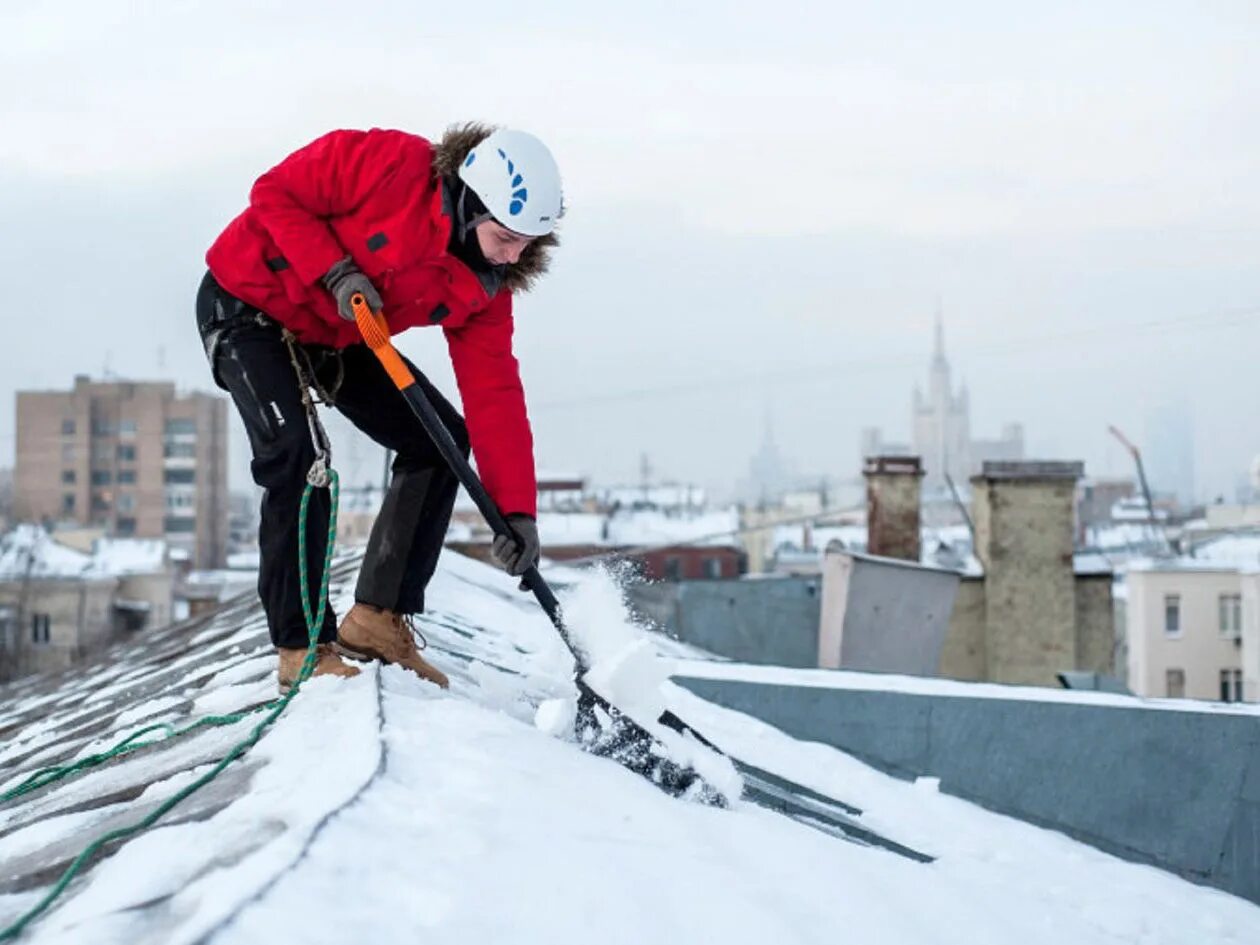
1185, 631
136, 459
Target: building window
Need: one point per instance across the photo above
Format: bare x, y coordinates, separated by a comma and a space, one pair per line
67, 504
1172, 615
179, 450
1230, 610
176, 477
68, 453
41, 628
713, 568
126, 476
67, 428
126, 428
176, 426
177, 501
102, 477
125, 527
103, 428
68, 476
1231, 685
126, 502
1175, 680
126, 452
173, 525
673, 568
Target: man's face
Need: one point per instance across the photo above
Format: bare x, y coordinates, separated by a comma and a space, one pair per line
499, 244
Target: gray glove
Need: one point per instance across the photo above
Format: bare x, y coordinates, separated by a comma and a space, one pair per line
343, 280
518, 552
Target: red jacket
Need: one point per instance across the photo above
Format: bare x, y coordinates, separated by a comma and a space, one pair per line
375, 197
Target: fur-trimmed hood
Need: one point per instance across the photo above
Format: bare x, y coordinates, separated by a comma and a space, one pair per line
448, 155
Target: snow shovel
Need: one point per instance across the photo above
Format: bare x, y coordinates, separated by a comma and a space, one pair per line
601, 729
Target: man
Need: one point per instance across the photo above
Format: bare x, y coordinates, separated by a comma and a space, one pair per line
429, 234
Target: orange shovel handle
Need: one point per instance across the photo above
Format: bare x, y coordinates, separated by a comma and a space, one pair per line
375, 332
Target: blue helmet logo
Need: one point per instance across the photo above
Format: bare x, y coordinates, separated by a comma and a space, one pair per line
519, 193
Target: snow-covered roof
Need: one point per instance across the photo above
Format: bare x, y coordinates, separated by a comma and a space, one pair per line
381, 809
1123, 536
1237, 551
29, 550
123, 556
244, 560
652, 527
571, 528
664, 496
932, 686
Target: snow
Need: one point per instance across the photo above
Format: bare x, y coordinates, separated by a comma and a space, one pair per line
647, 527
382, 809
1234, 551
243, 561
571, 528
928, 686
31, 550
125, 556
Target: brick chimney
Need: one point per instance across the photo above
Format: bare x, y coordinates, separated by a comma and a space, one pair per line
892, 506
1024, 538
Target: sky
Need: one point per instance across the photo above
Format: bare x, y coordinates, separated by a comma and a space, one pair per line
765, 209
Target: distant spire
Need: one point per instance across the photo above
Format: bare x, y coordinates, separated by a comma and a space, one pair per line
938, 352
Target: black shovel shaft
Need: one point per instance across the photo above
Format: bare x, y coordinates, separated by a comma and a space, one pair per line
376, 334
469, 479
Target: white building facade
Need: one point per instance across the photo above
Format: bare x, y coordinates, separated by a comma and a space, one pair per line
1185, 631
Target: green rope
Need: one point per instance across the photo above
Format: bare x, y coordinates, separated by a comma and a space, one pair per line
314, 621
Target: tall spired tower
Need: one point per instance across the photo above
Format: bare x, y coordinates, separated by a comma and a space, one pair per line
941, 421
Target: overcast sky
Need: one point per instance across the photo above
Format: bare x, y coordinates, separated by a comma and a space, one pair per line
766, 202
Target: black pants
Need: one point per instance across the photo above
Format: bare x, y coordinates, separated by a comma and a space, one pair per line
250, 360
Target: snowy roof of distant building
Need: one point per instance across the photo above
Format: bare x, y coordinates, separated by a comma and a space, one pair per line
648, 527
1179, 563
571, 528
30, 551
665, 495
123, 556
1241, 550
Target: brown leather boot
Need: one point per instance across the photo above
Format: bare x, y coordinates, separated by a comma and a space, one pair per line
369, 633
327, 663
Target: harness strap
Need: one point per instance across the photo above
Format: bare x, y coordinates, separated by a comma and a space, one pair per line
318, 475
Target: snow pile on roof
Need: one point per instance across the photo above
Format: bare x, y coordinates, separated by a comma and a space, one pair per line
1235, 551
645, 527
572, 528
632, 528
1123, 536
380, 809
934, 686
125, 556
30, 551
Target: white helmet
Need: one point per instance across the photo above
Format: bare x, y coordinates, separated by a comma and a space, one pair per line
517, 179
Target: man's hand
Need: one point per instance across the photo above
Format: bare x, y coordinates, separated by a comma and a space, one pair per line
343, 280
518, 552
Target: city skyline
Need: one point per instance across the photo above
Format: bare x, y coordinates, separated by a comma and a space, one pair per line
748, 223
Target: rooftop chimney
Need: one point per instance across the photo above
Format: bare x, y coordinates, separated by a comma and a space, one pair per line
1024, 536
892, 506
